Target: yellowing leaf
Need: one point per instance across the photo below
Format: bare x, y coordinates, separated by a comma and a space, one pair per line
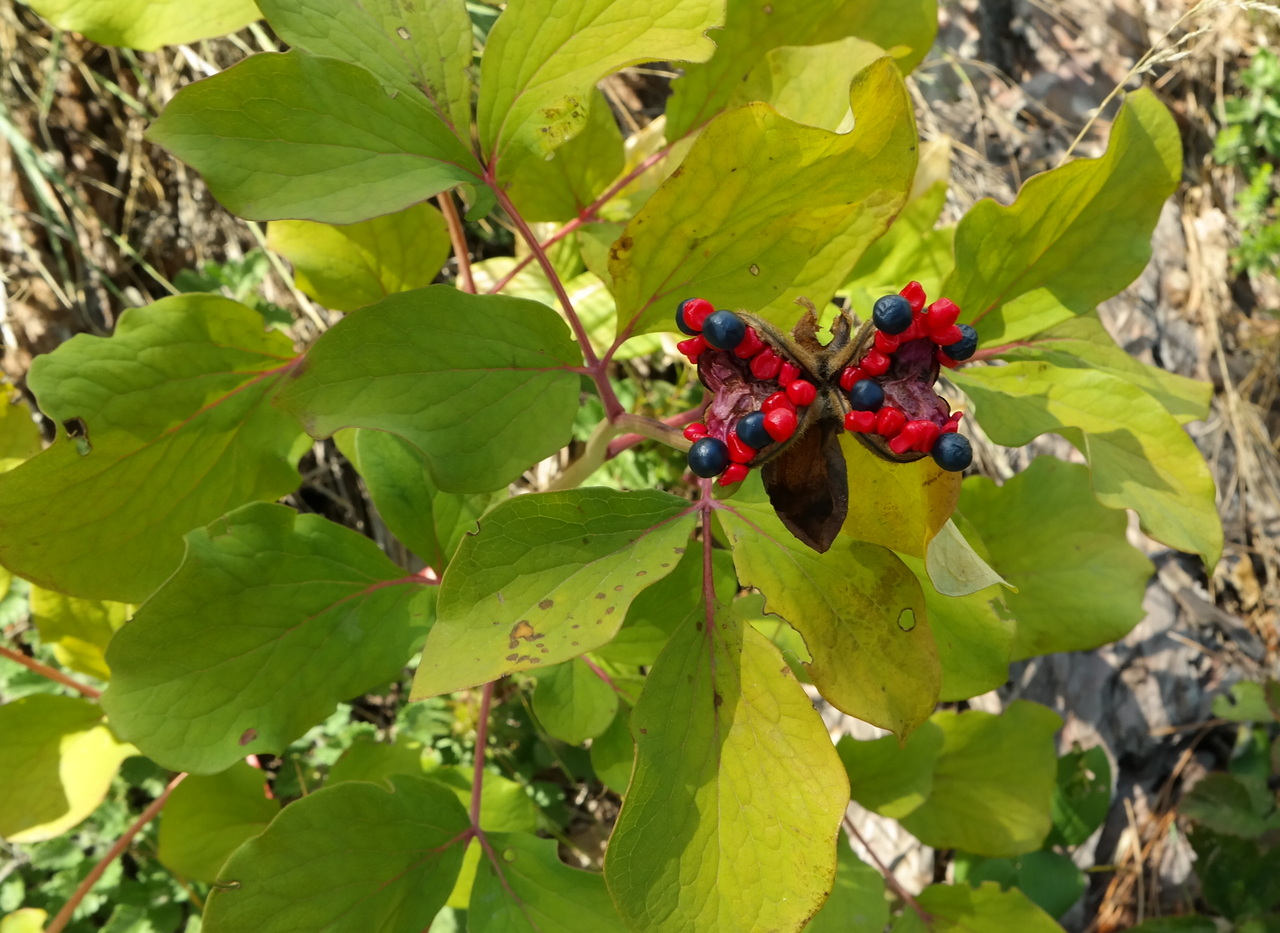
19, 435
56, 763
78, 630
901, 506
148, 24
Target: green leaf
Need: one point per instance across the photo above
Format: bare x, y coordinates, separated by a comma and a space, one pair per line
348, 267
1051, 880
993, 782
427, 521
573, 703
1188, 924
1081, 797
858, 607
752, 29
613, 752
1083, 343
422, 49
857, 903
19, 435
1080, 583
1223, 804
1075, 236
892, 778
986, 909
901, 506
367, 759
1140, 457
207, 818
349, 858
147, 24
528, 889
542, 60
505, 806
730, 820
296, 136
544, 581
56, 763
1237, 876
271, 620
1249, 702
579, 171
954, 567
741, 220
176, 401
482, 385
974, 634
77, 630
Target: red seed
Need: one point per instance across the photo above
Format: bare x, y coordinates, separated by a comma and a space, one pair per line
739, 450
780, 423
693, 348
750, 346
914, 293
734, 473
943, 313
695, 431
766, 364
953, 423
696, 311
802, 393
875, 363
849, 376
889, 421
910, 436
777, 400
951, 334
887, 343
860, 422
944, 360
901, 443
789, 373
927, 434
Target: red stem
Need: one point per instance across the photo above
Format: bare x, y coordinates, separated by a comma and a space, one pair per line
600, 672
45, 670
482, 741
889, 878
458, 237
117, 848
627, 441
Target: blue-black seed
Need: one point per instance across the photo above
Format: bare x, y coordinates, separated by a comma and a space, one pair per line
892, 314
952, 452
963, 348
680, 321
708, 457
724, 330
752, 431
866, 395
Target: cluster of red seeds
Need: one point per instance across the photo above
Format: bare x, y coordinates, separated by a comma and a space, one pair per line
780, 410
937, 324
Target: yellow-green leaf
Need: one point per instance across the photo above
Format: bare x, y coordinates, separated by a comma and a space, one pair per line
147, 24
207, 818
78, 630
19, 435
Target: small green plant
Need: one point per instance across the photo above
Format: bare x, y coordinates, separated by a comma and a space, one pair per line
657, 625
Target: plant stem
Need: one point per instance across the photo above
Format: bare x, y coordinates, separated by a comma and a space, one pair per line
482, 740
117, 848
889, 877
45, 670
458, 237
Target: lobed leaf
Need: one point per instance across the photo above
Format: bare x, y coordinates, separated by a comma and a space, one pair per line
740, 220
527, 889
1140, 458
1075, 236
423, 49
208, 818
56, 764
548, 577
482, 385
859, 609
1080, 583
348, 267
751, 30
349, 858
272, 619
175, 400
77, 630
958, 908
730, 819
147, 24
543, 57
296, 136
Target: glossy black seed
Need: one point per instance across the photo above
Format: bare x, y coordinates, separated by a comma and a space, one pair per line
963, 348
724, 330
752, 431
708, 457
952, 452
866, 395
892, 314
680, 322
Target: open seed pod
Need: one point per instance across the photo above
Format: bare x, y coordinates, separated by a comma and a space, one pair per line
779, 402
